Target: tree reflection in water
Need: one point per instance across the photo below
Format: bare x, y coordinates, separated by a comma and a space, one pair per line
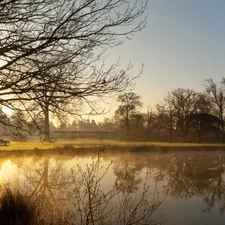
193, 174
206, 174
49, 180
128, 174
78, 196
182, 175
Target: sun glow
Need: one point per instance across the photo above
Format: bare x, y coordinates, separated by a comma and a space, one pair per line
7, 110
7, 170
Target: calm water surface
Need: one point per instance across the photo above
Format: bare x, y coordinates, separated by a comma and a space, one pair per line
191, 185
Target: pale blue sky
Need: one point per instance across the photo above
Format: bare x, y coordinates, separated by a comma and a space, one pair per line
182, 44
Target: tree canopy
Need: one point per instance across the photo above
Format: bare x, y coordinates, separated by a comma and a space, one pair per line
51, 51
129, 104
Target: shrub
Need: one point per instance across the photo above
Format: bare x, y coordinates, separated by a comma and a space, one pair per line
90, 204
15, 208
94, 206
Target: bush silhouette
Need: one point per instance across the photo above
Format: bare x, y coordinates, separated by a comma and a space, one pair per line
15, 208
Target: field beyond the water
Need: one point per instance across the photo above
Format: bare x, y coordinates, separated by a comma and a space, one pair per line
97, 144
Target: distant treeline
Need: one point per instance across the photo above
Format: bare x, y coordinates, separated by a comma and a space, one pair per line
183, 116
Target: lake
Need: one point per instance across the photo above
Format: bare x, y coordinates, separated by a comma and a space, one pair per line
184, 187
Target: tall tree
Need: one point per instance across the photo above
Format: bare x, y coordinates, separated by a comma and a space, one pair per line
50, 50
204, 104
129, 104
166, 118
202, 123
183, 102
216, 96
150, 120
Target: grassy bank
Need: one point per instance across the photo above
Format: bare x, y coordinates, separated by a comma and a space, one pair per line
96, 144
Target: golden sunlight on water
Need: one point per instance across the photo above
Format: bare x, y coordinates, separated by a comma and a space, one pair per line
187, 183
8, 170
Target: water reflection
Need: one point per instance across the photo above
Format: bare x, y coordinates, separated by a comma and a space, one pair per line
180, 175
127, 171
49, 179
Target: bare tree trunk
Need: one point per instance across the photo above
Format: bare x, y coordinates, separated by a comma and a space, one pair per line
222, 130
47, 136
127, 126
170, 135
199, 135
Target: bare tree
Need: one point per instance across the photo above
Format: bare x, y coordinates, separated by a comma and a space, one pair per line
216, 96
50, 50
203, 123
63, 89
204, 104
129, 103
150, 120
183, 102
166, 118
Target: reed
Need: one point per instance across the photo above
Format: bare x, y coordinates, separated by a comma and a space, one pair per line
15, 209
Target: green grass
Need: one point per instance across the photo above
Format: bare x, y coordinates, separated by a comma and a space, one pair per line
96, 143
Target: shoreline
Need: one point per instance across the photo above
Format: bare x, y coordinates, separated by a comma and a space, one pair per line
64, 148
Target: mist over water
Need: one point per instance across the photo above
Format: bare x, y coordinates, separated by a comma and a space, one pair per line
191, 185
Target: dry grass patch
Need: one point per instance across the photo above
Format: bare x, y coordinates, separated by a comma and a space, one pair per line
97, 144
